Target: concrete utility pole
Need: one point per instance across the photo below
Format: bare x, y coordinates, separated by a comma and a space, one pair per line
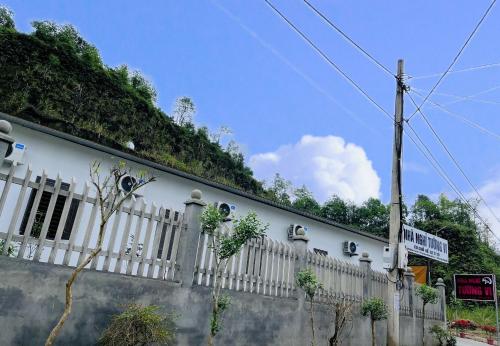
395, 215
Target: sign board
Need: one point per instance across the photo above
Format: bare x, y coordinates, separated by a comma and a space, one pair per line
425, 244
475, 287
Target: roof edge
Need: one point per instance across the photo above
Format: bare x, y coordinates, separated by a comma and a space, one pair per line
96, 146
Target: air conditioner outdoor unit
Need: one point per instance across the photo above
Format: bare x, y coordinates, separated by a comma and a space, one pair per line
292, 230
226, 209
15, 153
127, 184
350, 248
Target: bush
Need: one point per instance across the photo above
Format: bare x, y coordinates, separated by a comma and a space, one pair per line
443, 336
139, 325
463, 324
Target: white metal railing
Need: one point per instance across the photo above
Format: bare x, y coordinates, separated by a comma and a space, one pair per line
60, 226
263, 266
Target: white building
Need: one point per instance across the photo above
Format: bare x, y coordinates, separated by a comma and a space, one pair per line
64, 154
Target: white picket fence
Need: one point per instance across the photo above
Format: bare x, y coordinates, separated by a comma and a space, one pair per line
379, 285
141, 239
339, 279
263, 266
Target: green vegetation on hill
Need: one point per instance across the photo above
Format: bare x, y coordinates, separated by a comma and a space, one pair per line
54, 77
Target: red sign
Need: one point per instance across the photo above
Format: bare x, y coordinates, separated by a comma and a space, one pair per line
475, 287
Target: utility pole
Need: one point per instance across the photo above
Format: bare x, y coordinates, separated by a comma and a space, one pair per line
395, 215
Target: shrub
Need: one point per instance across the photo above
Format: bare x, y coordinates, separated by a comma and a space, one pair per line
463, 324
443, 336
377, 310
490, 330
139, 325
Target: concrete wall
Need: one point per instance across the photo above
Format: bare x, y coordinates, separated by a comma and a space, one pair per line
57, 155
32, 298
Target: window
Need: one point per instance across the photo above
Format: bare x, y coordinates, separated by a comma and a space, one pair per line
56, 215
164, 234
320, 252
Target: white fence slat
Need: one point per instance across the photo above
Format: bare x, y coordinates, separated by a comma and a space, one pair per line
112, 238
166, 243
137, 235
156, 242
147, 240
62, 221
47, 219
76, 224
125, 236
31, 219
17, 209
6, 188
179, 227
88, 232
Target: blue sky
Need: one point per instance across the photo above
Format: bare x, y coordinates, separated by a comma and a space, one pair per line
246, 69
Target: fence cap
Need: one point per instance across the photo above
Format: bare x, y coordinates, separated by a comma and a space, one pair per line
196, 198
440, 283
5, 130
365, 257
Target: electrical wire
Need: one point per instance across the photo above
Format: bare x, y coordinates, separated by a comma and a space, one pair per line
459, 98
350, 40
327, 59
453, 158
475, 95
461, 117
467, 69
442, 173
455, 59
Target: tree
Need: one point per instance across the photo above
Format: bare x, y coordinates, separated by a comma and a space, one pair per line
184, 110
221, 132
6, 18
279, 191
109, 199
225, 244
304, 200
428, 295
373, 217
338, 210
139, 325
377, 310
307, 280
342, 310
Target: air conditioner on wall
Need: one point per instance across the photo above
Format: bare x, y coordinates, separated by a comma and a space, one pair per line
15, 153
292, 230
350, 248
226, 209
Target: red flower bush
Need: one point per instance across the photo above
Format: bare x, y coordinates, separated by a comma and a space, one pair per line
463, 324
489, 329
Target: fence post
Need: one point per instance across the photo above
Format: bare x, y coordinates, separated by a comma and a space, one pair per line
300, 241
442, 297
365, 263
5, 138
188, 240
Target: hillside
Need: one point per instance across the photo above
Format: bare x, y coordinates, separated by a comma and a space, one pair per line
54, 77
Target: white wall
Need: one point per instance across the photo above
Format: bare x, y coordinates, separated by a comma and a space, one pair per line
57, 155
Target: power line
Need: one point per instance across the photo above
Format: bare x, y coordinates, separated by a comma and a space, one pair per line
453, 158
461, 117
291, 65
474, 95
326, 58
455, 59
440, 170
467, 69
341, 32
460, 97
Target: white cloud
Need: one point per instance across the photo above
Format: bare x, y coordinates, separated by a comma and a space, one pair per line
326, 165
